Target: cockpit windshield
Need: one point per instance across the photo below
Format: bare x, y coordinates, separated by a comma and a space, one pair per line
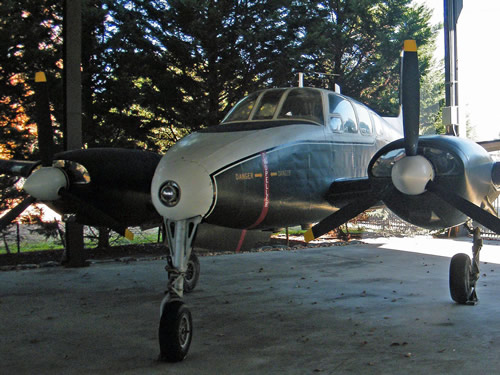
279, 104
242, 110
303, 104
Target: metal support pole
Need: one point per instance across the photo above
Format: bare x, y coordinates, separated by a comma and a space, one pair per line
451, 118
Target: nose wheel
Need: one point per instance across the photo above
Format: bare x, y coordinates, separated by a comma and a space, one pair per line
175, 331
176, 325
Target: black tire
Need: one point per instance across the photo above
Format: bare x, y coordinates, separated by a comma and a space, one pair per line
175, 331
460, 278
192, 273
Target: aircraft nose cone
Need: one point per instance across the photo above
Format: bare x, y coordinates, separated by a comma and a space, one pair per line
181, 189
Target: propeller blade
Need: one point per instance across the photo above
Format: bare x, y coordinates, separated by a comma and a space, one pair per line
45, 136
410, 96
87, 209
12, 214
474, 212
340, 217
17, 167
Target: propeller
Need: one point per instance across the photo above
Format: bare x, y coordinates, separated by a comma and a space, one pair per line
49, 182
340, 217
402, 173
45, 135
483, 217
410, 96
12, 214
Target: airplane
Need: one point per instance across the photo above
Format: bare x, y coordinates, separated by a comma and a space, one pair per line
281, 157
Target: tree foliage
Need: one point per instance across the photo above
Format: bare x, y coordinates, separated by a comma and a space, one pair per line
30, 42
155, 70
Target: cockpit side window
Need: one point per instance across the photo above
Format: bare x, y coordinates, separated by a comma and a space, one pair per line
268, 104
303, 104
242, 110
365, 122
340, 107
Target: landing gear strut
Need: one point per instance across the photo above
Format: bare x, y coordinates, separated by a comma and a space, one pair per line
176, 326
464, 273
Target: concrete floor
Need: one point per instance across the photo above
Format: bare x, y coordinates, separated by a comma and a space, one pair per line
354, 309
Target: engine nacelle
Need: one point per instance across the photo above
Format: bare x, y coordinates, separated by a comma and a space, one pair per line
460, 166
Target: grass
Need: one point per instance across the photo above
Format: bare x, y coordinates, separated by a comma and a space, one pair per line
32, 246
42, 244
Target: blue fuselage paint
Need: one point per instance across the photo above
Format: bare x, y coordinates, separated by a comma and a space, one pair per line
299, 176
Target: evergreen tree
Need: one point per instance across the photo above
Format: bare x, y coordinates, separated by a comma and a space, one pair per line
153, 71
360, 42
30, 42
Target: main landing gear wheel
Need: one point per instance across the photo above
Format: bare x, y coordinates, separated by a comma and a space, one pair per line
464, 272
175, 331
192, 273
461, 286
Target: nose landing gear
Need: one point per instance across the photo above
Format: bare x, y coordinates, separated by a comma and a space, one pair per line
176, 325
464, 273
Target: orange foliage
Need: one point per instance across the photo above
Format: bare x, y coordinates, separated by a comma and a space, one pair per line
20, 121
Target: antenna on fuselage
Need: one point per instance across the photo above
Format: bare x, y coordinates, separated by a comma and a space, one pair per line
321, 75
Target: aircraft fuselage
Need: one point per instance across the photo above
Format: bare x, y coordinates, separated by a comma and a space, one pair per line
254, 173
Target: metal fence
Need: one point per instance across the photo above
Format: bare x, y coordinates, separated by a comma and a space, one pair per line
487, 233
385, 222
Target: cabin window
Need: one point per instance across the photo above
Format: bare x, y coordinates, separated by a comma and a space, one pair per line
377, 123
335, 123
364, 120
242, 110
343, 108
303, 104
268, 104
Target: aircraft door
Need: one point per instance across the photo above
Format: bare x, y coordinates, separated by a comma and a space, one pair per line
351, 133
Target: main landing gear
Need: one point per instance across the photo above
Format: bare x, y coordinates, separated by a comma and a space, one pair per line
464, 273
176, 325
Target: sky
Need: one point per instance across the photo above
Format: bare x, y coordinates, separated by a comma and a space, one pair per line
478, 63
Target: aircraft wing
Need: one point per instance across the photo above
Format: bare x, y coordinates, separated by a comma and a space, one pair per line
346, 190
490, 146
17, 167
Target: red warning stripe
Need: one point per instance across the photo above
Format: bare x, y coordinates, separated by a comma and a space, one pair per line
265, 206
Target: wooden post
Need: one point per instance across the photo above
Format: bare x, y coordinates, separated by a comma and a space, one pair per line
18, 238
72, 34
74, 255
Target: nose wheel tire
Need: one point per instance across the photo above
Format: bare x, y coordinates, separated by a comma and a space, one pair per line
175, 331
192, 273
461, 282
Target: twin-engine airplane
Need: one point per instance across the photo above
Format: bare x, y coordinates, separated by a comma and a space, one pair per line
281, 157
